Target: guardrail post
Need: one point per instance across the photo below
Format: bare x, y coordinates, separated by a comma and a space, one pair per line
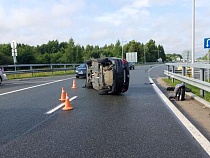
51, 67
202, 78
168, 69
173, 71
207, 76
183, 71
31, 68
64, 66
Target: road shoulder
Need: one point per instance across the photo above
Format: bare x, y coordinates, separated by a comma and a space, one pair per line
197, 113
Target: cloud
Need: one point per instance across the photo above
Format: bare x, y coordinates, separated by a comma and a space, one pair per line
129, 11
95, 22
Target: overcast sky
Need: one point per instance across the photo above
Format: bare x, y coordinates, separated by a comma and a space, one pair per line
100, 22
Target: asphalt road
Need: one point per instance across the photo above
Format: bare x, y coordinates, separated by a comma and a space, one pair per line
133, 124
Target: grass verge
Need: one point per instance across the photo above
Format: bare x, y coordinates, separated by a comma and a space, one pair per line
39, 74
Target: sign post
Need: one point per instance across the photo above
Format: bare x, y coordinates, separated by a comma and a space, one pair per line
207, 45
14, 51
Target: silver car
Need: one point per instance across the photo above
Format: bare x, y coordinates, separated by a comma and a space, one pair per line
2, 76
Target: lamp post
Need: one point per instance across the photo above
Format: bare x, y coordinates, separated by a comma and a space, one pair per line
144, 55
122, 46
193, 35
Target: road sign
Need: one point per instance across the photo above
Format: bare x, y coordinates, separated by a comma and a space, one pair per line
187, 55
14, 44
206, 42
131, 56
14, 50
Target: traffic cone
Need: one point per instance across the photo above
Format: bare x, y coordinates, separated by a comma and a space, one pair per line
74, 84
67, 105
63, 95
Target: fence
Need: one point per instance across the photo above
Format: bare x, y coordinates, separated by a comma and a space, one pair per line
199, 75
33, 68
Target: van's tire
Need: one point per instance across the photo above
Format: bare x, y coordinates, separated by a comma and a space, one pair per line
118, 82
0, 80
103, 91
103, 60
88, 62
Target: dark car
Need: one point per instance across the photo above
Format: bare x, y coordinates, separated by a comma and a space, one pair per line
108, 75
131, 65
81, 71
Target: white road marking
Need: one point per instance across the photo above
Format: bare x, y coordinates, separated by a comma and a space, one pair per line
34, 86
22, 82
59, 106
190, 127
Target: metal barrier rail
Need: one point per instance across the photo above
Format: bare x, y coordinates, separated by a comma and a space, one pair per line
195, 82
202, 71
33, 68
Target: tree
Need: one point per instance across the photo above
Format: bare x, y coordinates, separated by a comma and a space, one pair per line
5, 54
117, 49
25, 54
70, 52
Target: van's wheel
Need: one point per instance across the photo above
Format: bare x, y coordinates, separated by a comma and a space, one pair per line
88, 62
103, 91
89, 85
0, 80
103, 60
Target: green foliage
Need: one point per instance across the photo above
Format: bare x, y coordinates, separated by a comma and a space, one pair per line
39, 74
67, 52
5, 54
172, 57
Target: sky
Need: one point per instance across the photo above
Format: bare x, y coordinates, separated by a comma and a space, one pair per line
100, 22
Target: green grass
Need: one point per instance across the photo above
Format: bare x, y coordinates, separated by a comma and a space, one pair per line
39, 74
194, 90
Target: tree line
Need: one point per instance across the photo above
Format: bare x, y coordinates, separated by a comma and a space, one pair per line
69, 52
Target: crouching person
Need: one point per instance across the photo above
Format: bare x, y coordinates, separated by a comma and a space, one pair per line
180, 91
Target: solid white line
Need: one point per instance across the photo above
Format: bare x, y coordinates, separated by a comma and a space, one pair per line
34, 86
59, 106
190, 127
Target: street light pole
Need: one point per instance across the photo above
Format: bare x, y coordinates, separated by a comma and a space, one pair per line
193, 35
144, 55
122, 47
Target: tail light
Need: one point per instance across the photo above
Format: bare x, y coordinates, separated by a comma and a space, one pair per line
124, 61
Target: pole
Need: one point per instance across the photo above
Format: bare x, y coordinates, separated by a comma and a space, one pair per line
193, 35
144, 55
208, 63
122, 47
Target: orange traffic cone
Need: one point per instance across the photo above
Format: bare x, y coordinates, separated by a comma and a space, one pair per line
63, 95
67, 105
74, 84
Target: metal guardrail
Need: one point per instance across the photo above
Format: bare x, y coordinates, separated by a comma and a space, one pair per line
195, 82
202, 72
33, 68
